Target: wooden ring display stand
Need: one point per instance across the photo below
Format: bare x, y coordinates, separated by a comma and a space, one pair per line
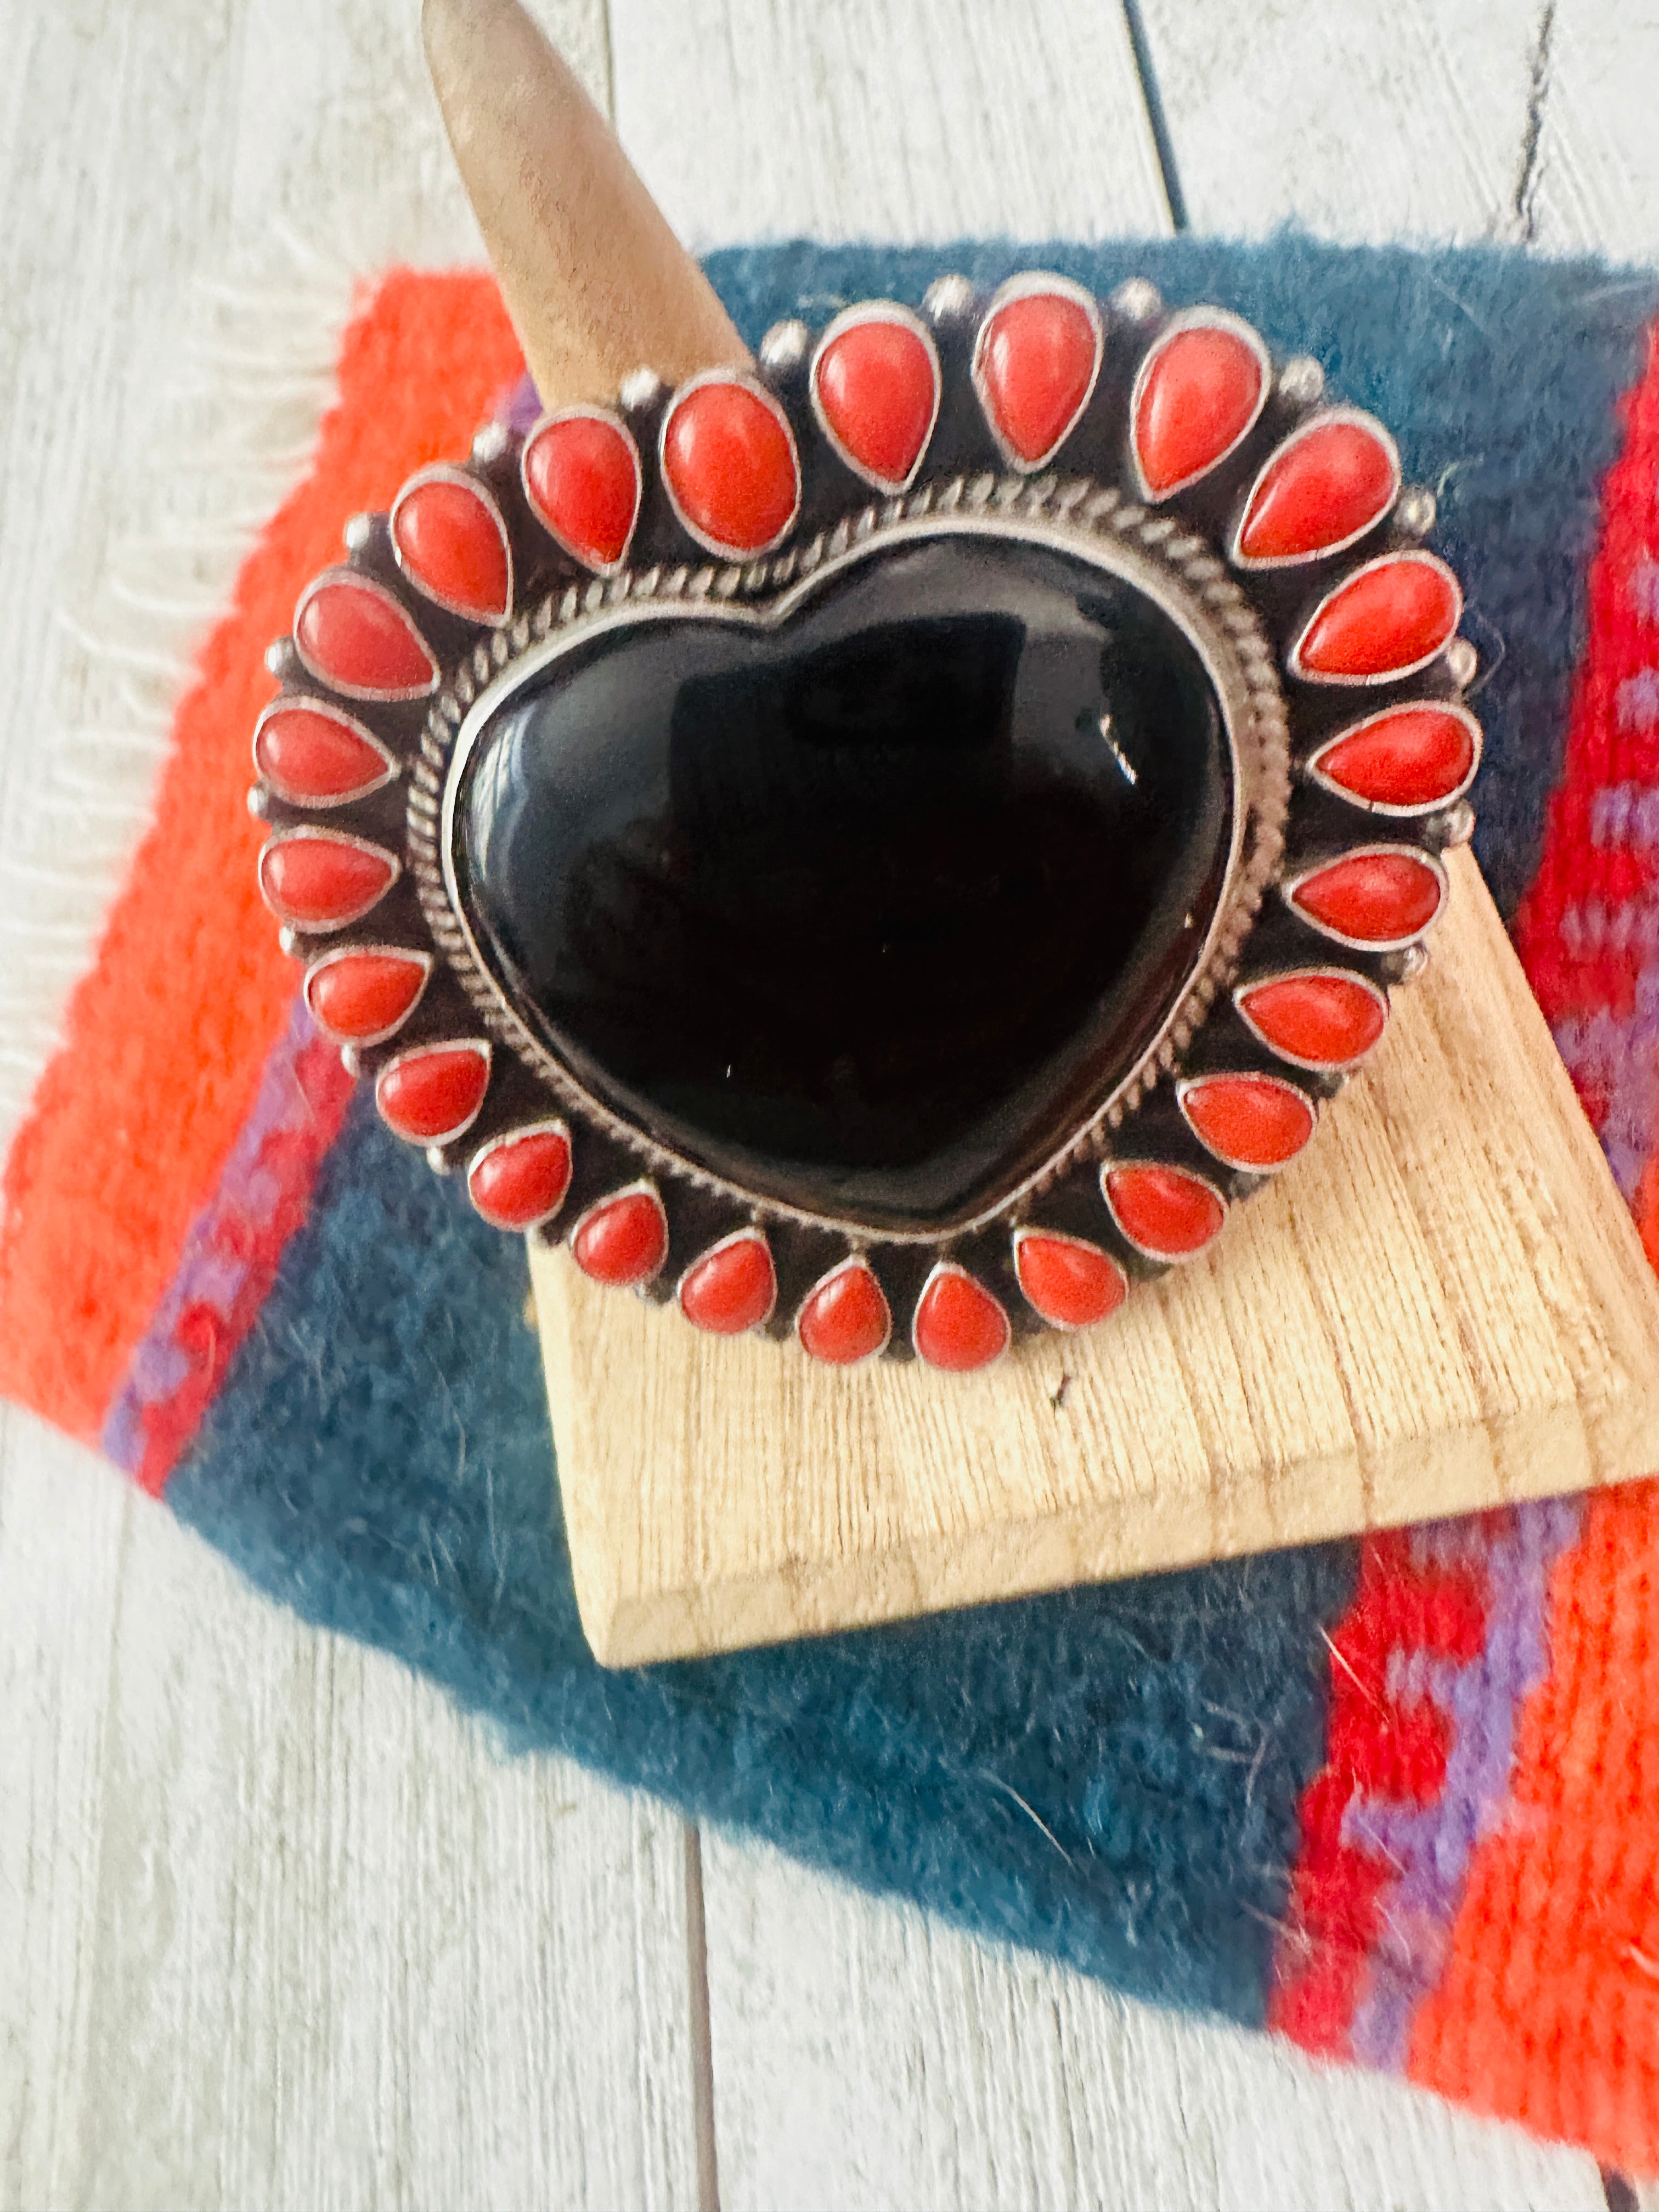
1443, 1306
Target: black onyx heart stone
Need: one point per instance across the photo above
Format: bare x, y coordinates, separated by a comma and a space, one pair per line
865, 902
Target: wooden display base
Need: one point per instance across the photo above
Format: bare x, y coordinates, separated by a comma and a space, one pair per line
1443, 1305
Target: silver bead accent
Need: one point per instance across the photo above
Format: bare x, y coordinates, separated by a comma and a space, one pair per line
358, 531
352, 1060
784, 347
257, 801
947, 299
1462, 661
289, 941
1302, 380
490, 444
435, 1159
638, 389
276, 657
1453, 826
1137, 301
1407, 964
1414, 510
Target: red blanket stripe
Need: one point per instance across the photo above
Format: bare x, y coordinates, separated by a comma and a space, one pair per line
167, 1035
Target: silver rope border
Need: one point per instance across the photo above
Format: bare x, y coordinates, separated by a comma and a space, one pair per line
1202, 590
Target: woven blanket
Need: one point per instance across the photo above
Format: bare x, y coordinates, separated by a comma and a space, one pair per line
1397, 1799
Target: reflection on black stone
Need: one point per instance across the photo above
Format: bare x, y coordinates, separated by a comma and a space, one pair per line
863, 910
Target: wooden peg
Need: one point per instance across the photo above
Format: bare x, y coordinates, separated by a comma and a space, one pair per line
597, 283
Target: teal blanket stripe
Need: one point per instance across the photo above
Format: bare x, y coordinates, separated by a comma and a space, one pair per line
381, 1460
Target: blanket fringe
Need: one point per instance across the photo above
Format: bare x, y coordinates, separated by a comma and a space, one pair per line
252, 354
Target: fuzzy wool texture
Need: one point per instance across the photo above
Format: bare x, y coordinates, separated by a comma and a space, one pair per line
1109, 1775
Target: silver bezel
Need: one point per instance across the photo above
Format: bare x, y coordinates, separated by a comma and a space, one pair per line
750, 1233
1307, 969
321, 833
718, 547
853, 319
1416, 557
1289, 886
1384, 808
427, 1048
1320, 419
947, 1267
341, 576
301, 703
1187, 1085
1023, 1236
1152, 1252
641, 1187
1178, 573
442, 473
1196, 318
843, 1267
1032, 284
550, 1125
582, 413
410, 954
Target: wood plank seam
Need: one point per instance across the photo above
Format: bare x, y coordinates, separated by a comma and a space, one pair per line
702, 2054
1532, 139
1157, 121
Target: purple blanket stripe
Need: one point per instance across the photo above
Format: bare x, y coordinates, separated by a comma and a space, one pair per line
1431, 1846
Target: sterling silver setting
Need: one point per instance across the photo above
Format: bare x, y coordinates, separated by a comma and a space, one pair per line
1278, 1003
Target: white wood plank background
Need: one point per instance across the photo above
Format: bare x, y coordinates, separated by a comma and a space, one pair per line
951, 118
1375, 118
864, 2055
1598, 165
277, 1927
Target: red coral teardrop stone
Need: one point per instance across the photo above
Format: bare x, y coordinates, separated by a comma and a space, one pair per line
1071, 1283
451, 542
1373, 898
958, 1325
1411, 756
728, 457
1322, 488
313, 881
877, 383
1385, 620
360, 997
622, 1240
1250, 1121
1165, 1211
304, 753
1035, 365
432, 1095
1322, 1019
846, 1317
734, 1287
581, 477
355, 636
1199, 392
521, 1180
